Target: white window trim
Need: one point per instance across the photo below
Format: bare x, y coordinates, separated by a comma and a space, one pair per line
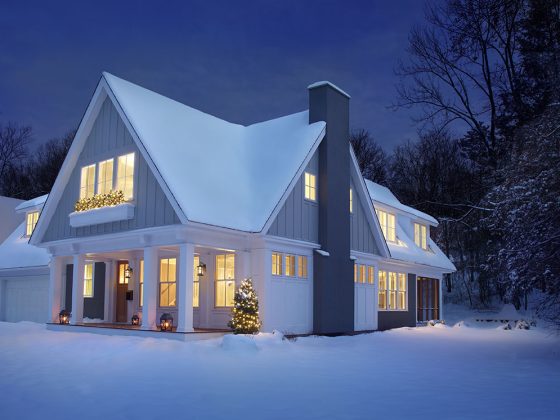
387, 213
397, 290
315, 187
224, 280
167, 282
115, 177
92, 263
283, 276
34, 222
421, 227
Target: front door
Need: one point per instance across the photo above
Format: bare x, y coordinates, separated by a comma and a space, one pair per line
122, 288
427, 292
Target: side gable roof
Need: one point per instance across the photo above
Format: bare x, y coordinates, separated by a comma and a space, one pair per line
212, 171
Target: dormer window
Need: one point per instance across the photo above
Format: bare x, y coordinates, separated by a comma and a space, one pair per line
387, 222
30, 222
310, 187
421, 236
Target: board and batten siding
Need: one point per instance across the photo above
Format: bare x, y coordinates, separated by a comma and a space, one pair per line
299, 218
109, 138
361, 235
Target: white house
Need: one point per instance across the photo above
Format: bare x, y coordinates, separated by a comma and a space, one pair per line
160, 208
24, 272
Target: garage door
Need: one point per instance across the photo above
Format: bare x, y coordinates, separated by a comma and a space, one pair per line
26, 299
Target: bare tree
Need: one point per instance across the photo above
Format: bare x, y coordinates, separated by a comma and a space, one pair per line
13, 146
460, 65
371, 157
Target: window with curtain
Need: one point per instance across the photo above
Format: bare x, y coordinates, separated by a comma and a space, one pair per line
88, 280
125, 175
225, 280
30, 222
168, 282
87, 181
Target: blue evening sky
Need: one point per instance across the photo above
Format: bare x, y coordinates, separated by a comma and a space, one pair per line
243, 61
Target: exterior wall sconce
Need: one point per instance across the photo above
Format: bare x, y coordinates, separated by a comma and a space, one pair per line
166, 322
128, 272
200, 269
64, 317
135, 319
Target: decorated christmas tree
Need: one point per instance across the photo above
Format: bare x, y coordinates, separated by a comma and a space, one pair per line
245, 313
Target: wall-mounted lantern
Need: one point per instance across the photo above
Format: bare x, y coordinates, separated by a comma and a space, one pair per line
128, 272
200, 269
64, 317
166, 322
135, 319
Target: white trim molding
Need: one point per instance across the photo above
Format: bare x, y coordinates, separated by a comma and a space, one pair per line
124, 211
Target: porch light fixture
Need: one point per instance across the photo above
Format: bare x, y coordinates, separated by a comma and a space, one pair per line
166, 322
128, 272
135, 319
200, 269
64, 317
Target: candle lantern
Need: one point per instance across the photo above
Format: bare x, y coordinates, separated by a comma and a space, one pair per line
64, 317
166, 322
135, 319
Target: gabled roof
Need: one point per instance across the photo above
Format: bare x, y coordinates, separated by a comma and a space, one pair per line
36, 202
213, 172
383, 195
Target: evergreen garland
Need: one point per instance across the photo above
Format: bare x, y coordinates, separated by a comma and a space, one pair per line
245, 312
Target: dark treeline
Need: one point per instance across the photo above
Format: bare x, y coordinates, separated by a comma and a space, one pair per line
489, 69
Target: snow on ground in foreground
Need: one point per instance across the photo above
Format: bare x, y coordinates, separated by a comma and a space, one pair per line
428, 372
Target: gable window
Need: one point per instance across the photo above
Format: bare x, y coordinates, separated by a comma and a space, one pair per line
168, 282
370, 275
141, 281
105, 177
196, 283
276, 264
351, 202
225, 280
88, 280
125, 175
392, 293
420, 236
387, 222
87, 182
310, 187
290, 265
302, 266
30, 222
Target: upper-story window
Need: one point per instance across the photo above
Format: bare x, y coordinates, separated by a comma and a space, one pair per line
87, 182
105, 177
310, 187
351, 201
125, 175
421, 235
387, 222
30, 222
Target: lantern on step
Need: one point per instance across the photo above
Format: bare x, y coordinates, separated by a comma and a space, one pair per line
166, 322
64, 317
200, 269
135, 319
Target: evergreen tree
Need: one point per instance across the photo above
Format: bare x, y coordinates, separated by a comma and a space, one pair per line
245, 313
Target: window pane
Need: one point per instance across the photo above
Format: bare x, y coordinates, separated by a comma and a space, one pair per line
141, 278
172, 273
370, 275
277, 264
172, 294
163, 269
392, 281
220, 293
125, 175
290, 265
310, 187
230, 266
402, 300
355, 273
382, 300
87, 181
402, 282
220, 267
382, 280
392, 300
164, 294
362, 273
230, 292
196, 294
105, 178
302, 266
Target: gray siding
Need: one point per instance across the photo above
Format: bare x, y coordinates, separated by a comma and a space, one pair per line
299, 218
361, 236
94, 307
110, 138
396, 319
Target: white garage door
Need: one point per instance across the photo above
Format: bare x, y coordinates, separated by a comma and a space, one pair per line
26, 299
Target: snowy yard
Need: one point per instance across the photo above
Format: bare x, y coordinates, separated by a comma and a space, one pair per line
430, 372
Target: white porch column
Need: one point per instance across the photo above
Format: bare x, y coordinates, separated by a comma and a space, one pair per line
150, 288
108, 290
78, 289
55, 288
185, 288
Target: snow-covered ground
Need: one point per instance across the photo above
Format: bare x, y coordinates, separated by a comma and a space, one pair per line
428, 372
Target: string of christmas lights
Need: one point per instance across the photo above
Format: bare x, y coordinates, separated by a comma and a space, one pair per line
112, 198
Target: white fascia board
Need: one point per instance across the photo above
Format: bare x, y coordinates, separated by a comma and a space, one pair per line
412, 216
293, 183
323, 252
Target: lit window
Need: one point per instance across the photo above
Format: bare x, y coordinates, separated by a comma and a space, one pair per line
382, 293
351, 202
355, 273
196, 283
310, 187
420, 235
125, 175
122, 273
225, 280
276, 264
31, 222
362, 273
387, 222
105, 177
88, 280
87, 182
141, 280
290, 265
302, 266
168, 282
370, 275
392, 291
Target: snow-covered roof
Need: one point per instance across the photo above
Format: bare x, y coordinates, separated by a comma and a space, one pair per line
383, 195
16, 252
327, 83
219, 173
34, 202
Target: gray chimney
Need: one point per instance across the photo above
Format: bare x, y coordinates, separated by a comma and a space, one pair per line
333, 271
